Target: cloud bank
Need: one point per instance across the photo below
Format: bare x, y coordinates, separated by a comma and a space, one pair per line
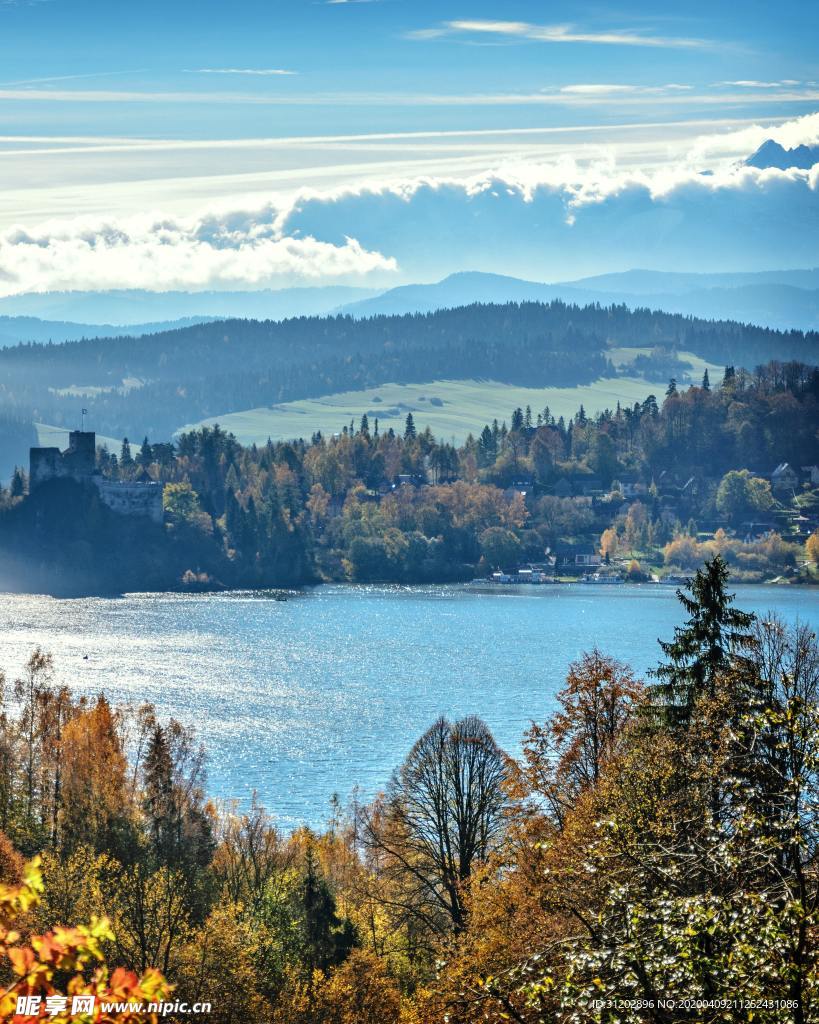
541, 219
157, 254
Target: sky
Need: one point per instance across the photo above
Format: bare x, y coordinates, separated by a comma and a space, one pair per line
376, 142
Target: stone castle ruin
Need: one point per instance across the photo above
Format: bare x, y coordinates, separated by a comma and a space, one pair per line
141, 497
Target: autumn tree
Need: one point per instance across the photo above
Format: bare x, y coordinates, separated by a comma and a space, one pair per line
565, 757
442, 815
95, 810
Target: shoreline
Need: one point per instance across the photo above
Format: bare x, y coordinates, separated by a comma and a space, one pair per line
284, 593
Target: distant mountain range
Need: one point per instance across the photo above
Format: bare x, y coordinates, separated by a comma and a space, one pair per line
16, 329
781, 299
135, 307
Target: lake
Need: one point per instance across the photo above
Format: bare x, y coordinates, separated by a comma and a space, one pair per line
327, 691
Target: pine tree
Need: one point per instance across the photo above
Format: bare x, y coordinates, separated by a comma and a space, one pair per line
328, 938
409, 428
672, 388
159, 803
125, 457
18, 483
487, 448
729, 377
702, 648
146, 455
706, 382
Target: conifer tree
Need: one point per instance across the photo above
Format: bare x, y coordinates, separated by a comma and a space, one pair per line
409, 428
328, 938
701, 649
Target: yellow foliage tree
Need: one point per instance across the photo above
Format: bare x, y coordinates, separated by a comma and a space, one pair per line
608, 543
812, 547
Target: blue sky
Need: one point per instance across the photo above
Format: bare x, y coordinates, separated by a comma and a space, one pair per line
129, 128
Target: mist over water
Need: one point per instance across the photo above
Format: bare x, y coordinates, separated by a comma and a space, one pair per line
301, 699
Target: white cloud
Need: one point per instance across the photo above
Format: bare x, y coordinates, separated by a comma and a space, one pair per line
160, 253
554, 34
552, 212
603, 89
570, 97
597, 89
751, 83
260, 72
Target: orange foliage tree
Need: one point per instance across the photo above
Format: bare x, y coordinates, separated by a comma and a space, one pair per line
35, 966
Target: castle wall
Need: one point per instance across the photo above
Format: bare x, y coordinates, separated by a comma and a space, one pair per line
45, 464
78, 462
132, 499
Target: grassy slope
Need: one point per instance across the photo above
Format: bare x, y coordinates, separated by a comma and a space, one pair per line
468, 405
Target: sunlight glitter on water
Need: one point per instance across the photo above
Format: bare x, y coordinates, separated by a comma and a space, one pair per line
300, 699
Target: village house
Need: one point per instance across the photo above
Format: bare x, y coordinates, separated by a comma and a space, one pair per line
784, 480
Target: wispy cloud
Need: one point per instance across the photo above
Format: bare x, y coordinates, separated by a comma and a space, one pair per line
568, 96
752, 83
609, 89
554, 34
260, 72
70, 78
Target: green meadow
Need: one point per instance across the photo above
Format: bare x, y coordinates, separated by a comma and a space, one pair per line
452, 409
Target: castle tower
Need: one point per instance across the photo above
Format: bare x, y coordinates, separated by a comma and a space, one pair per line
81, 457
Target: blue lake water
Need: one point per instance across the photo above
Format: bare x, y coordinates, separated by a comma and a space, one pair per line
301, 699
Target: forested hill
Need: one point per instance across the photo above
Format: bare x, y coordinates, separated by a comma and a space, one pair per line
213, 369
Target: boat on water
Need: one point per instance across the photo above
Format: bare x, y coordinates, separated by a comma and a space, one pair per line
604, 578
534, 577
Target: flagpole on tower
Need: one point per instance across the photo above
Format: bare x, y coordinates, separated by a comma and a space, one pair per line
84, 414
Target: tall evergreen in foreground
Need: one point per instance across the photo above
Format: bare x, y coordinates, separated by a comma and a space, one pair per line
702, 647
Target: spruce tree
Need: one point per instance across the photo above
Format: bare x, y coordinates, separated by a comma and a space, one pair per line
146, 455
702, 648
159, 803
18, 483
409, 428
706, 382
328, 938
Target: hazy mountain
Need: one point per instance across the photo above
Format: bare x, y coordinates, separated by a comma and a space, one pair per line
651, 282
136, 307
781, 299
16, 329
771, 154
460, 289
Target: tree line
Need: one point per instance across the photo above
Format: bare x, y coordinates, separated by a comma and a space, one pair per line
367, 504
156, 382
